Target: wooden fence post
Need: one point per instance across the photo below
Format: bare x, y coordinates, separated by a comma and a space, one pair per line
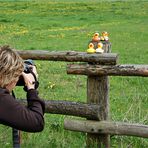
97, 92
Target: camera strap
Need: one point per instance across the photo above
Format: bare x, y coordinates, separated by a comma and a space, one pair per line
35, 78
15, 133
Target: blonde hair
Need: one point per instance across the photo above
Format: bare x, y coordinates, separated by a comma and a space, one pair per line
11, 66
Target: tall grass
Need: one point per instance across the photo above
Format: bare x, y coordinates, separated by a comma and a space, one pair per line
69, 25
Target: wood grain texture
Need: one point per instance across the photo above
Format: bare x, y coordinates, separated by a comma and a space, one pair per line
107, 127
108, 70
69, 56
70, 108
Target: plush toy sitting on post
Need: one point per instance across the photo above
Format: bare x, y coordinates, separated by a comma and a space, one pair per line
104, 36
91, 48
99, 49
96, 37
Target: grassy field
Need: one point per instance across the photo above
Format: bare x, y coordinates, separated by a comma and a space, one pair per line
57, 25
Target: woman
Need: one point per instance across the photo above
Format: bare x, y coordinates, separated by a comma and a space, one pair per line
12, 113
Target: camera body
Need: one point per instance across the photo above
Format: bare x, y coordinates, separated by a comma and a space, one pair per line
27, 69
28, 62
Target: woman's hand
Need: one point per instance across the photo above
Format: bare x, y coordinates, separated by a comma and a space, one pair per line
29, 78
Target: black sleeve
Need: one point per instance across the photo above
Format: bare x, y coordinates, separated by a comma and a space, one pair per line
29, 119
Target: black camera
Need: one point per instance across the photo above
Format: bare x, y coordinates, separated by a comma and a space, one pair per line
27, 69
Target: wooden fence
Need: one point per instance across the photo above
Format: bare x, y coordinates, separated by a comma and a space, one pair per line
97, 67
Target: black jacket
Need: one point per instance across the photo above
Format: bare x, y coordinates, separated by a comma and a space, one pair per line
12, 113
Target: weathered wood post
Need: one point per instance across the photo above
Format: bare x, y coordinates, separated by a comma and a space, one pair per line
97, 92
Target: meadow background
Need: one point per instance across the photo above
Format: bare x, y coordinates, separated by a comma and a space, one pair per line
62, 25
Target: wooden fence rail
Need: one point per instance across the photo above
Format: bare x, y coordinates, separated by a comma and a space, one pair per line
107, 127
70, 108
108, 70
69, 56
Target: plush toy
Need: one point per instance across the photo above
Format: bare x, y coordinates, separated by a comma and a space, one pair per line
99, 49
91, 48
96, 37
104, 36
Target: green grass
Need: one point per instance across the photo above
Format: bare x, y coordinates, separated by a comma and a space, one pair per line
69, 25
